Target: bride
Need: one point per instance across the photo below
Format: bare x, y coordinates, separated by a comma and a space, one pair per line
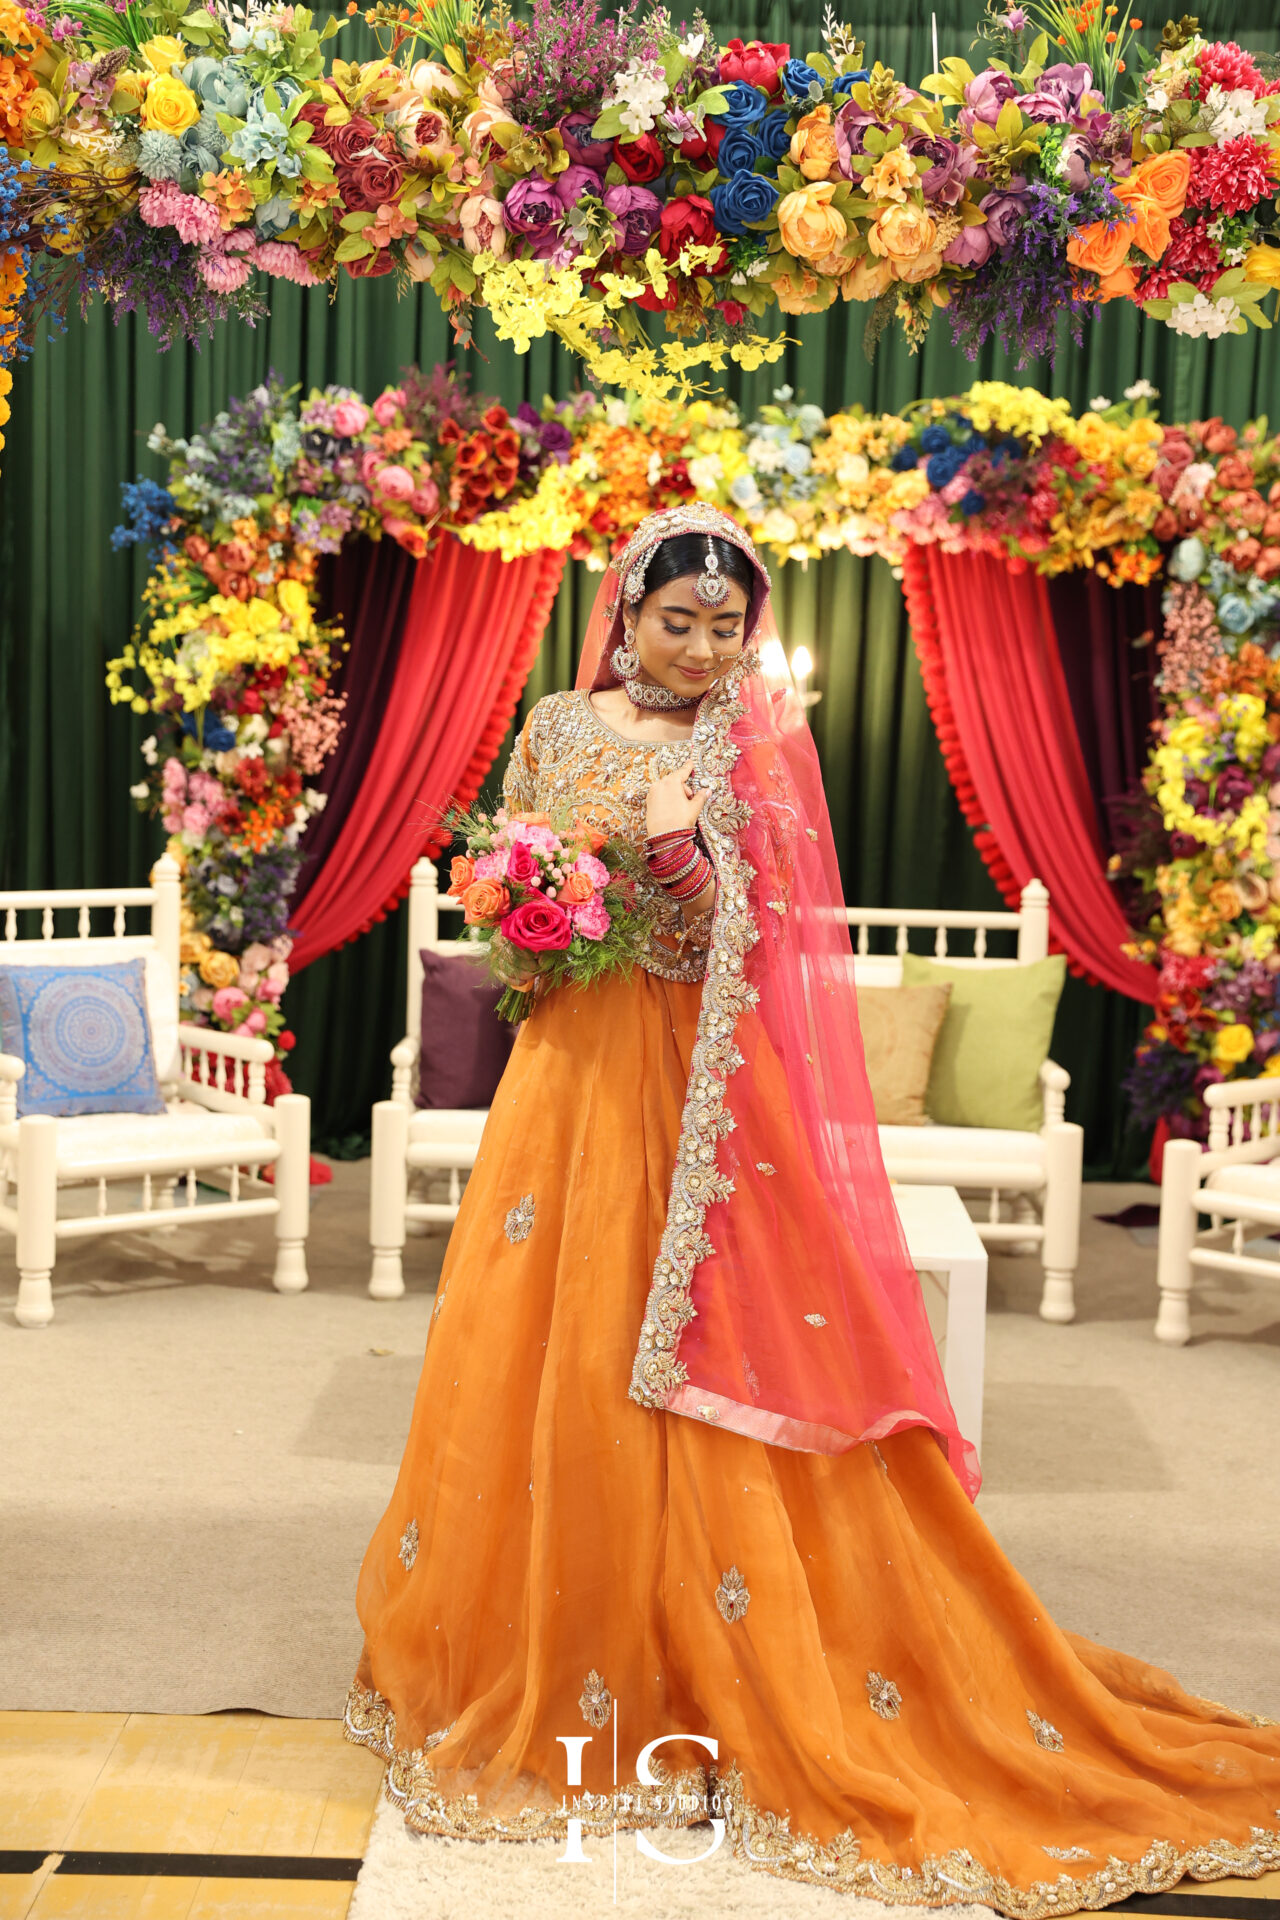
683, 1526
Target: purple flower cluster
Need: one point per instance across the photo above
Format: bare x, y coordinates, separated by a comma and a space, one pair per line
1029, 282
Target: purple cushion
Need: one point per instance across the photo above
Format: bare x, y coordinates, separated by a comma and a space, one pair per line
464, 1043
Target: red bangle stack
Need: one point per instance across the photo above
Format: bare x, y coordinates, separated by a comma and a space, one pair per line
677, 863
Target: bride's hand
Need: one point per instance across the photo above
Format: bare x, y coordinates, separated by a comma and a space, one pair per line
669, 808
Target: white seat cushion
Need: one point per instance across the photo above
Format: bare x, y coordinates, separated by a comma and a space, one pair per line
125, 1139
961, 1143
1261, 1182
445, 1136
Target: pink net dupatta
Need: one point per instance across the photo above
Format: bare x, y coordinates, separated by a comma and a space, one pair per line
784, 1304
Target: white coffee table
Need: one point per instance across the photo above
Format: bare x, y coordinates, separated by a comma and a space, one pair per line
952, 1264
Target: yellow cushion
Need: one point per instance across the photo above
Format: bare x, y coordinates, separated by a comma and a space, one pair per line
994, 1041
899, 1028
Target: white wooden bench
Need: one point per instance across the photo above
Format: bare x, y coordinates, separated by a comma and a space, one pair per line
1235, 1180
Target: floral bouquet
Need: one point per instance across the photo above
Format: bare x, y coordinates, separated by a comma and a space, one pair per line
554, 903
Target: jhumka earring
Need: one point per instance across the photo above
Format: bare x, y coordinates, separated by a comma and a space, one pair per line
711, 587
626, 661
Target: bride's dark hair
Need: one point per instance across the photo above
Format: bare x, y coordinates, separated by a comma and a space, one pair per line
686, 553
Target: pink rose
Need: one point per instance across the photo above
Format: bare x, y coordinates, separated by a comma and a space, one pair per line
277, 979
539, 926
195, 821
388, 405
369, 464
425, 498
350, 417
522, 866
175, 777
591, 919
255, 1022
226, 1000
484, 229
396, 482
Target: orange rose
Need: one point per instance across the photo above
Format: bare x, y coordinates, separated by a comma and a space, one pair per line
461, 873
869, 279
1163, 180
1150, 228
1120, 285
576, 888
892, 177
484, 900
813, 145
591, 836
901, 234
1100, 248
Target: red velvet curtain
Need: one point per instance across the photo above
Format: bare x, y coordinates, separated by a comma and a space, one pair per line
472, 631
999, 699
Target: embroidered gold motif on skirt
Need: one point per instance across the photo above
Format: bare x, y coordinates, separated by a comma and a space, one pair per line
1047, 1735
518, 1224
732, 1598
816, 1319
709, 1413
595, 1700
1068, 1853
409, 1545
883, 1696
762, 1166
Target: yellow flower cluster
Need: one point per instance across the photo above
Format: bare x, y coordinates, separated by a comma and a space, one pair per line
995, 407
195, 645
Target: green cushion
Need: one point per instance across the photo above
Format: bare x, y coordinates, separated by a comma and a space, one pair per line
993, 1042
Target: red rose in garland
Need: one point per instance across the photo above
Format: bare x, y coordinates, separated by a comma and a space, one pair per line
641, 160
373, 266
690, 220
369, 182
756, 62
348, 142
659, 302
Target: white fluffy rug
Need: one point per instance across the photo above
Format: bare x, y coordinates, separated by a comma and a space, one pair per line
410, 1876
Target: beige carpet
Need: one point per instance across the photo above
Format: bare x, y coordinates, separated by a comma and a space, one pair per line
191, 1465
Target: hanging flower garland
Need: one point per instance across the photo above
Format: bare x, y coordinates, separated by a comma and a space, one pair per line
571, 171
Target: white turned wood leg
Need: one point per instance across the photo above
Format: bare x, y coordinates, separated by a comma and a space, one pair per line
388, 1188
1024, 1209
292, 1114
1180, 1179
37, 1219
418, 1190
1063, 1197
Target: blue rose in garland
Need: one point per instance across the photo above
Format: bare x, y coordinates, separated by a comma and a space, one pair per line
745, 201
799, 80
845, 82
739, 150
744, 105
773, 136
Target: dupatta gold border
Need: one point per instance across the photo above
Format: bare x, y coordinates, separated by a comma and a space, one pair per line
697, 1183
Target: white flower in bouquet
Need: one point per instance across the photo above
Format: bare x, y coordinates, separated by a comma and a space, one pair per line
640, 89
1204, 317
705, 470
1227, 115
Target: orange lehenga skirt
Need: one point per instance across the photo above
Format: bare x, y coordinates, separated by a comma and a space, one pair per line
894, 1712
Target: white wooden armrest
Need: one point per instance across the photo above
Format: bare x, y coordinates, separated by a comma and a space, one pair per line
234, 1069
1054, 1081
404, 1058
11, 1071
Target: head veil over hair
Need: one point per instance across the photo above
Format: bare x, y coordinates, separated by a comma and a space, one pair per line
798, 1323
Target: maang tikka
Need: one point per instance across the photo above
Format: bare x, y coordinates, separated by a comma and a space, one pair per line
711, 587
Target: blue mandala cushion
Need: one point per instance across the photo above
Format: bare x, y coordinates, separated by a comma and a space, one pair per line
84, 1036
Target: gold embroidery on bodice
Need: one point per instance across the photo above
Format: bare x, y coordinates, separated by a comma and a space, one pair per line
568, 757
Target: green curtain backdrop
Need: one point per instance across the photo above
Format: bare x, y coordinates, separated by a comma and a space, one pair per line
81, 412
